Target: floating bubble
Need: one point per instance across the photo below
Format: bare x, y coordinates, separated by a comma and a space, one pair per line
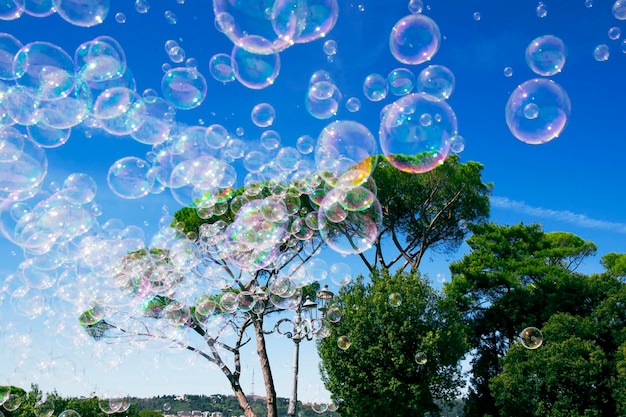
508, 71
158, 120
301, 22
130, 178
263, 115
11, 10
401, 81
353, 104
531, 338
330, 47
589, 4
333, 314
457, 144
13, 402
412, 145
79, 188
437, 81
167, 406
221, 68
270, 139
542, 10
375, 87
537, 111
395, 299
142, 6
120, 110
343, 342
416, 6
340, 273
323, 98
254, 70
84, 13
11, 144
120, 17
184, 88
601, 53
24, 164
9, 47
29, 303
614, 33
421, 358
43, 408
345, 153
546, 55
305, 144
101, 59
414, 39
44, 70
619, 9
476, 16
170, 17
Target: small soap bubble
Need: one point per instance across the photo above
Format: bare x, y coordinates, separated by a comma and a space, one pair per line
508, 71
546, 55
416, 6
167, 406
353, 104
120, 17
531, 338
170, 17
375, 87
614, 33
330, 47
414, 39
623, 46
542, 10
395, 299
142, 6
343, 342
619, 9
421, 358
476, 16
263, 115
589, 4
457, 145
601, 53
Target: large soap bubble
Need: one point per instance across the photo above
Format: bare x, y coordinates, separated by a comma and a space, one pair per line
9, 47
415, 132
101, 59
253, 70
130, 178
537, 111
85, 13
414, 39
436, 80
546, 55
345, 154
184, 88
304, 21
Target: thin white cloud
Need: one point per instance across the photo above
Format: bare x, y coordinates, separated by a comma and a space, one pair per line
566, 216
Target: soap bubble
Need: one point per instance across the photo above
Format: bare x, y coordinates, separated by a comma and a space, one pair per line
614, 33
84, 13
531, 338
43, 408
184, 88
343, 342
401, 81
395, 299
508, 71
254, 70
263, 115
542, 10
221, 68
421, 358
601, 53
130, 178
619, 9
79, 188
546, 55
101, 59
120, 110
409, 143
301, 22
437, 81
414, 39
375, 87
537, 111
353, 104
416, 6
9, 47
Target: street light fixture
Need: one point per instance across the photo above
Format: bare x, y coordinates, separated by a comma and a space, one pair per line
305, 325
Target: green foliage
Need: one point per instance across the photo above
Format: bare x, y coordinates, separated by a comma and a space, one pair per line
149, 413
378, 375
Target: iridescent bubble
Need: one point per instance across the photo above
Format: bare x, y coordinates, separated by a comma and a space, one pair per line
330, 47
263, 115
416, 6
85, 13
601, 53
301, 22
79, 188
547, 116
270, 139
254, 70
395, 299
305, 144
457, 144
343, 342
323, 98
414, 39
476, 16
13, 402
176, 55
11, 144
408, 143
44, 70
27, 302
353, 104
11, 10
345, 153
216, 136
120, 17
340, 273
9, 47
24, 169
401, 81
546, 55
69, 413
614, 33
170, 17
619, 9
158, 121
589, 4
531, 338
375, 87
101, 59
130, 178
542, 9
437, 81
421, 358
508, 71
142, 6
120, 110
167, 406
319, 406
221, 68
43, 408
243, 19
184, 88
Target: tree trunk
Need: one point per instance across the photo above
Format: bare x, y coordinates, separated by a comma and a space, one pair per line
268, 380
241, 398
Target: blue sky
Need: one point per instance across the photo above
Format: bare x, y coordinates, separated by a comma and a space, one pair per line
573, 183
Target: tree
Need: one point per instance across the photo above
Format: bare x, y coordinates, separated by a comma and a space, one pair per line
239, 257
519, 276
405, 342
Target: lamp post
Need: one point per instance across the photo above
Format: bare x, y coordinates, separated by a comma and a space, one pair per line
304, 326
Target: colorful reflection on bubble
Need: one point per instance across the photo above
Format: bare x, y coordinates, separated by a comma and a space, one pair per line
129, 178
436, 80
85, 13
537, 111
546, 55
254, 70
414, 39
184, 88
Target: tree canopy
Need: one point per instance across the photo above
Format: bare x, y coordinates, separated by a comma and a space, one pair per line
394, 348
